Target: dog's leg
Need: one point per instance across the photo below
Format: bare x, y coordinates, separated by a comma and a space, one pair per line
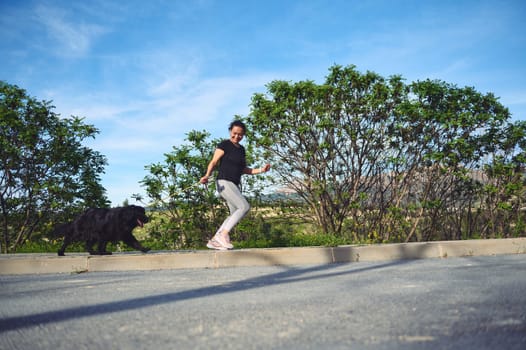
101, 248
64, 245
89, 246
134, 243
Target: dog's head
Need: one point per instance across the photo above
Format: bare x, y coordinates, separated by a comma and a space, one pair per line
139, 214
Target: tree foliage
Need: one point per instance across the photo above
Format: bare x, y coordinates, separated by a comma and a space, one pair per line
46, 173
375, 158
187, 211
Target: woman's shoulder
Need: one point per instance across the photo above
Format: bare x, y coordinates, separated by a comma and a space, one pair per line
224, 144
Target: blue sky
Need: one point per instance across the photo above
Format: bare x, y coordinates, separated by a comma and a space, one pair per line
148, 72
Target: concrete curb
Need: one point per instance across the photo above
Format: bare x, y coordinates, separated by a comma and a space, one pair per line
14, 264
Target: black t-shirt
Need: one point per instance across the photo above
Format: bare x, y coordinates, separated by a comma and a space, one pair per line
232, 163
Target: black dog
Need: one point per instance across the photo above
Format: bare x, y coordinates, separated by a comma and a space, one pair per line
102, 225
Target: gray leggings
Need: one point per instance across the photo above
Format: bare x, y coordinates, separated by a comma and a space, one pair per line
237, 204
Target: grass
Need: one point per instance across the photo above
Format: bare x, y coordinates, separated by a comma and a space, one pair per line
262, 228
271, 241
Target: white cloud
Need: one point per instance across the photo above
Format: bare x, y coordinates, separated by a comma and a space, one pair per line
71, 37
156, 122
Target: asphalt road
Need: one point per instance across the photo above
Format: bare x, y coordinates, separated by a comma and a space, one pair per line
454, 303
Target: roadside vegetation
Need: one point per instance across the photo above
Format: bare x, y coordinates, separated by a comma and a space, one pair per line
357, 159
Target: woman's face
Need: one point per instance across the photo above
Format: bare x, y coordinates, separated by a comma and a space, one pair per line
236, 134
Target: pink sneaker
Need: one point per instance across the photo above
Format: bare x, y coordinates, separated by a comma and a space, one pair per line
222, 241
213, 244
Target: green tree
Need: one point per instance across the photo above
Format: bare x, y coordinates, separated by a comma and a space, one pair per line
326, 140
447, 133
187, 211
46, 174
382, 160
503, 185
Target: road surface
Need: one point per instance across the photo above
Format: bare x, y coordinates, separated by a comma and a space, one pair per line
453, 303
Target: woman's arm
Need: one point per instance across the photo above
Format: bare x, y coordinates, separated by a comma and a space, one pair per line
251, 171
213, 163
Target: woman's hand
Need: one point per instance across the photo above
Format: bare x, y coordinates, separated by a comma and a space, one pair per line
265, 168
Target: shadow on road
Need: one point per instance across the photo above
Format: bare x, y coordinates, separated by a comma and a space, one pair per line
290, 275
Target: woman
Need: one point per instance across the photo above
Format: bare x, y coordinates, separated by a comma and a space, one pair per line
230, 156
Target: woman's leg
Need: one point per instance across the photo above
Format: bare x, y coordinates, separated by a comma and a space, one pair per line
237, 205
231, 210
